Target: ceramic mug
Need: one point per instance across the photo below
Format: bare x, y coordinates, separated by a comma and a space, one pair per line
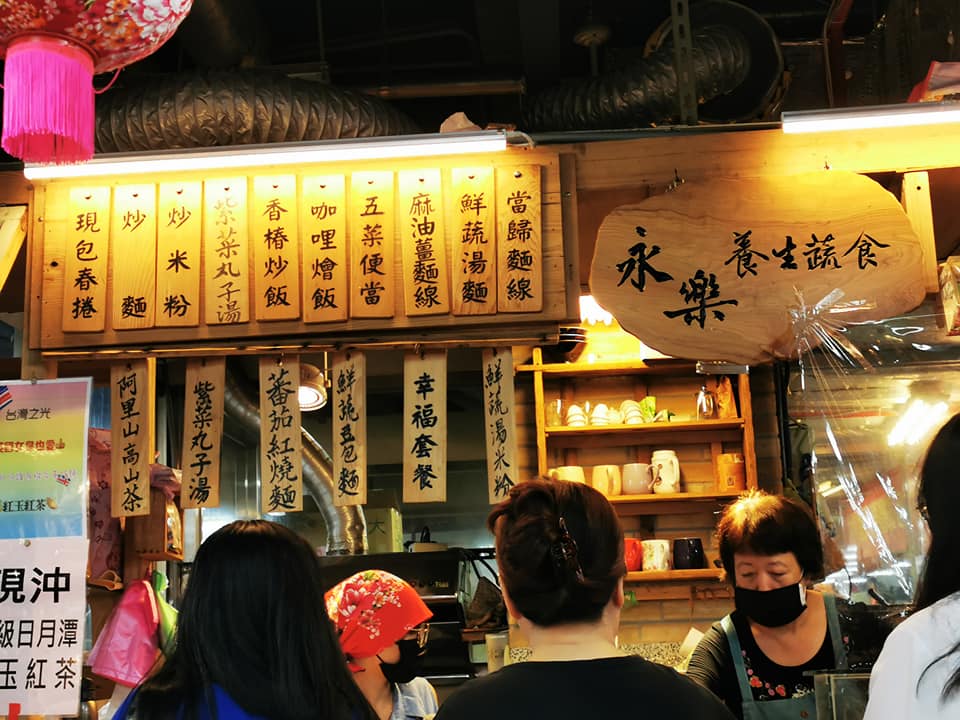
637, 479
666, 471
606, 479
570, 473
656, 554
688, 554
632, 554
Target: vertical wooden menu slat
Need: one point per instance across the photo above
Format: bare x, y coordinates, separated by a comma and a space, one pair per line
473, 209
276, 247
85, 260
323, 227
281, 465
179, 228
202, 432
133, 251
226, 250
519, 239
422, 232
425, 427
371, 225
132, 435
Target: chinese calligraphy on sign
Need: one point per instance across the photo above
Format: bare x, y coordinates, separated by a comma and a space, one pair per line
202, 432
475, 241
85, 260
132, 397
281, 474
721, 284
423, 243
42, 603
226, 271
519, 261
179, 227
349, 428
372, 242
323, 227
425, 427
500, 423
133, 234
275, 237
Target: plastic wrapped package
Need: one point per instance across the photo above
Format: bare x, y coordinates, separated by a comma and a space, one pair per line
864, 403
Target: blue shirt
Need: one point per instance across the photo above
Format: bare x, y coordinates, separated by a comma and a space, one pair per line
227, 709
414, 700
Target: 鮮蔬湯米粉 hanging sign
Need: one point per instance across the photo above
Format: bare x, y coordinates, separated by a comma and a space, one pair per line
500, 421
712, 270
132, 435
281, 462
443, 245
202, 432
425, 427
349, 408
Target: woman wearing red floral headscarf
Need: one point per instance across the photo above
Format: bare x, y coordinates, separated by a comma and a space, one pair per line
381, 622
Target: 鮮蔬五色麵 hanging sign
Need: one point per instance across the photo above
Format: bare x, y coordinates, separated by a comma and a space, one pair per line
440, 245
712, 270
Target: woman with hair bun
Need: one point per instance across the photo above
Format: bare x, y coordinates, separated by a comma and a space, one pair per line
560, 553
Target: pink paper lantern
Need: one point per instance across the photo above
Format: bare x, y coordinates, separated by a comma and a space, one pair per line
53, 48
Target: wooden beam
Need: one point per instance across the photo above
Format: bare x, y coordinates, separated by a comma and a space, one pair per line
915, 197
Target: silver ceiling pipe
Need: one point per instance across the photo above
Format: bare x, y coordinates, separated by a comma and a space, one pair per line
346, 526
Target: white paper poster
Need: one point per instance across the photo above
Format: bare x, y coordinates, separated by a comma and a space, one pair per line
42, 603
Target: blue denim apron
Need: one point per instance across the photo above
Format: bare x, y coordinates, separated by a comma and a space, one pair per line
801, 708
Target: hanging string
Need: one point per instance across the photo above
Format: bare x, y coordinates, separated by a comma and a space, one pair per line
116, 74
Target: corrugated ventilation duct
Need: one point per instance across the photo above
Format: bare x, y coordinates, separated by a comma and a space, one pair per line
736, 61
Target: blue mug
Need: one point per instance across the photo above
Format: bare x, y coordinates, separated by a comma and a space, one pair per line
688, 554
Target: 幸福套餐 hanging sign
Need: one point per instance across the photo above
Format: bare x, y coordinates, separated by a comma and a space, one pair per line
411, 246
425, 427
717, 269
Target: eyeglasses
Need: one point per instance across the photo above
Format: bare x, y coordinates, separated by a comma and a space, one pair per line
420, 633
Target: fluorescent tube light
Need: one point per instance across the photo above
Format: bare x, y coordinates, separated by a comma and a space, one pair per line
242, 156
871, 116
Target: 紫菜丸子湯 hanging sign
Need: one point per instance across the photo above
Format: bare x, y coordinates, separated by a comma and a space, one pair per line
441, 245
713, 270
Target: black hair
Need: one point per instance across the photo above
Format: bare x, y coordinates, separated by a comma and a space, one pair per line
559, 550
768, 525
253, 621
939, 494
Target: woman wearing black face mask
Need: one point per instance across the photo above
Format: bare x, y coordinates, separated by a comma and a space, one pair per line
381, 623
756, 658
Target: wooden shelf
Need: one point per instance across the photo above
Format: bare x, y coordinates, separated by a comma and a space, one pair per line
667, 366
688, 432
674, 575
641, 428
668, 503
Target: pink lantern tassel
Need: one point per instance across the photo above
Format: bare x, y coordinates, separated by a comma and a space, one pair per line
48, 113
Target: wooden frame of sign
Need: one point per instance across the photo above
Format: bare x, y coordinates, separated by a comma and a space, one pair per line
553, 265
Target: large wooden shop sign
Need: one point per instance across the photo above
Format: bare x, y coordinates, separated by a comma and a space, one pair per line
323, 250
716, 270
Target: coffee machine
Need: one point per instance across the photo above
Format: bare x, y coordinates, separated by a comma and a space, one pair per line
436, 576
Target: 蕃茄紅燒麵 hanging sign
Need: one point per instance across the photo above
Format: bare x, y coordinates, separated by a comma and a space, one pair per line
418, 246
713, 270
281, 462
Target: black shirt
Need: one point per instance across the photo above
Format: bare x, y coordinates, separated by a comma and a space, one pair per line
619, 687
712, 667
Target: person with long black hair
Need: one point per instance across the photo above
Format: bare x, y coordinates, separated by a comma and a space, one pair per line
253, 638
918, 672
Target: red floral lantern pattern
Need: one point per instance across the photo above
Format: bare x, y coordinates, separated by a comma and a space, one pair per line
52, 49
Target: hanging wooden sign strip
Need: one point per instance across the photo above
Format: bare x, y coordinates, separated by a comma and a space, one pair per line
423, 241
281, 462
85, 260
519, 240
133, 261
323, 244
179, 228
226, 269
132, 434
202, 432
349, 428
500, 420
425, 427
275, 237
474, 220
371, 227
